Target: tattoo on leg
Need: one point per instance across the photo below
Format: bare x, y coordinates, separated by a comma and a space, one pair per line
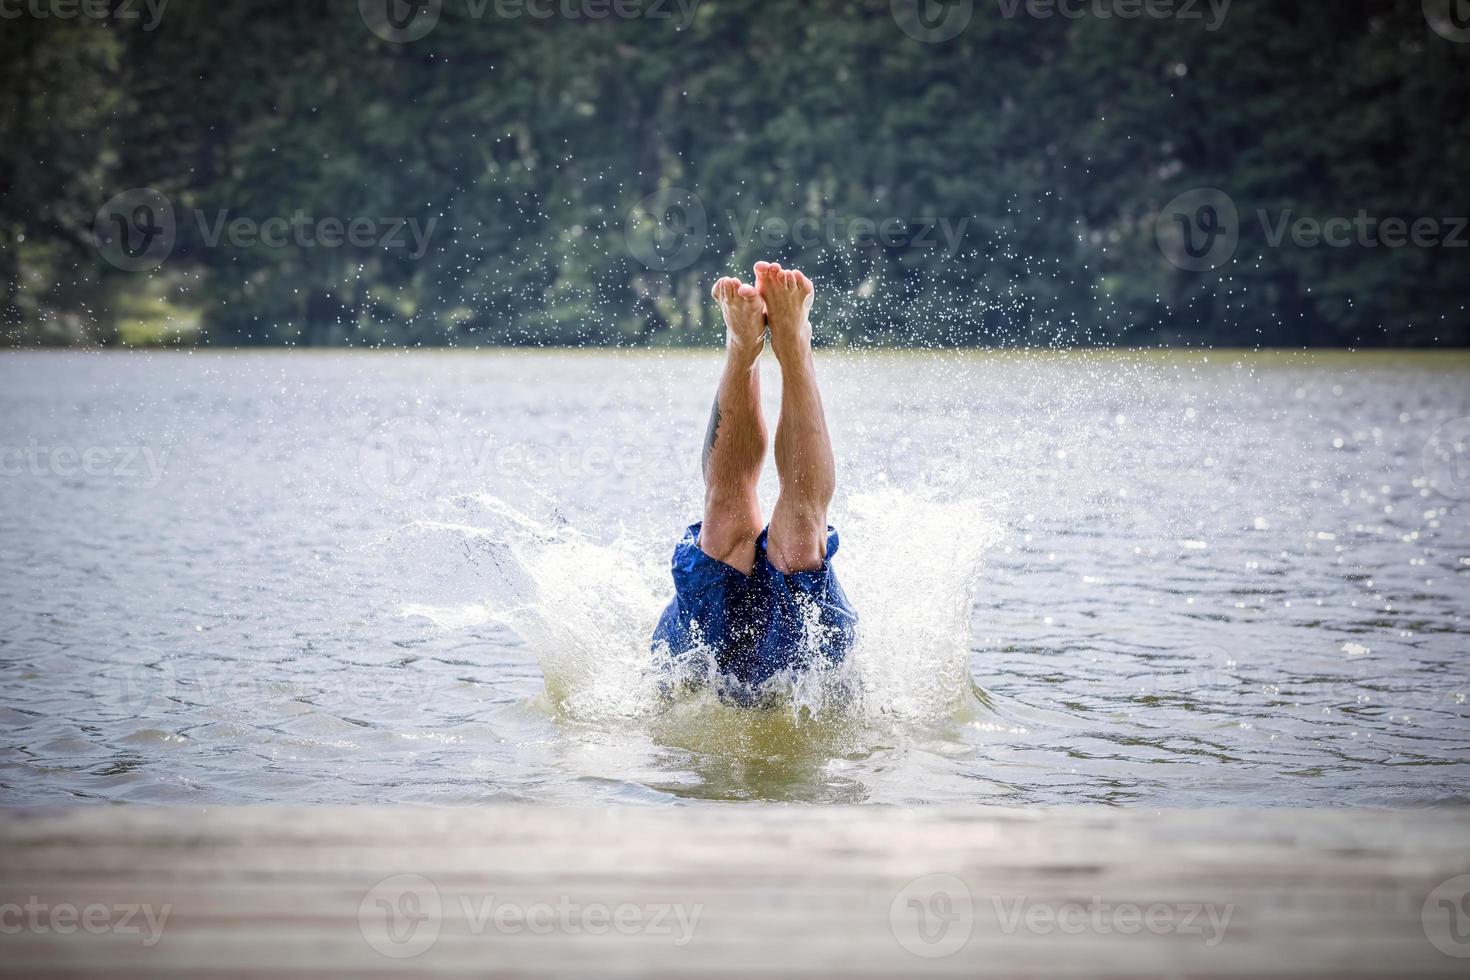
709, 436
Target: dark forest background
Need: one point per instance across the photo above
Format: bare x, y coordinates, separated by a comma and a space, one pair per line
550, 151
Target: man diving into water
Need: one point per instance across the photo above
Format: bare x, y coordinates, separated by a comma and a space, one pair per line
761, 600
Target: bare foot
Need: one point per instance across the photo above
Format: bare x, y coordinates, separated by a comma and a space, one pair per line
745, 317
788, 298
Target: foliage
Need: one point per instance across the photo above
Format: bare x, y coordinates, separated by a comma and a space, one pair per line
526, 143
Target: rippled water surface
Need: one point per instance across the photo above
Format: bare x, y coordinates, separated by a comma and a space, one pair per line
1129, 578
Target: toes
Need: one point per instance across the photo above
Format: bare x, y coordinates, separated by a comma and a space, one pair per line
803, 283
729, 289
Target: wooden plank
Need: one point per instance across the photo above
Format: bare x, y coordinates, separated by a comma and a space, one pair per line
715, 891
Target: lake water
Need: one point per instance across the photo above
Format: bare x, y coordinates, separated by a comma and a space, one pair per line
1156, 579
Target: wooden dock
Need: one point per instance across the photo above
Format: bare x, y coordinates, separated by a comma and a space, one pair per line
734, 891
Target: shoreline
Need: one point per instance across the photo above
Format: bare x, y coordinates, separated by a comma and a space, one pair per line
1454, 355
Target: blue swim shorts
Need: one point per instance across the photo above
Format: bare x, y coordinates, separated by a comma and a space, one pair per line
759, 625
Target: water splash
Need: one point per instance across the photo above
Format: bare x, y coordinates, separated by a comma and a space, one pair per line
910, 564
910, 560
584, 609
